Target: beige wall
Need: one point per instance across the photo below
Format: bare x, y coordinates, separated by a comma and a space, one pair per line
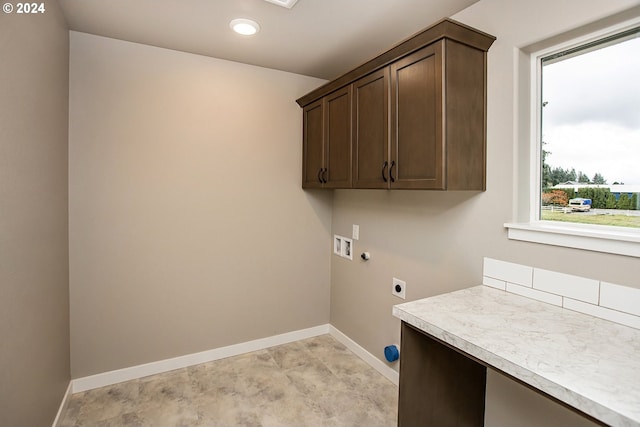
34, 275
189, 229
436, 241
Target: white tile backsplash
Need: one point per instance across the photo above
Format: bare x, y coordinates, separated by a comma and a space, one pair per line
494, 283
575, 287
508, 271
620, 304
603, 313
620, 298
525, 291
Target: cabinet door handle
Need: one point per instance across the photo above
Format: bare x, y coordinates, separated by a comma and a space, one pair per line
384, 168
393, 163
320, 175
324, 176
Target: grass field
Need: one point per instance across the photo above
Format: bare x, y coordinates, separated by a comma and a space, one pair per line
615, 220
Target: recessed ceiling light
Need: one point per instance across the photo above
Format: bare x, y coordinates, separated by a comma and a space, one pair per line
284, 3
243, 26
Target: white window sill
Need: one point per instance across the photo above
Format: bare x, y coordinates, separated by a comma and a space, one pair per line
614, 240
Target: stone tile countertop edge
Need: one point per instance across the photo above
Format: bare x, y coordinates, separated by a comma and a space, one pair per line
589, 363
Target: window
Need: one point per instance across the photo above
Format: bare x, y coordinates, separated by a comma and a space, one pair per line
584, 138
590, 133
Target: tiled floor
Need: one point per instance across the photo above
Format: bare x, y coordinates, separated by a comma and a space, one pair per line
314, 382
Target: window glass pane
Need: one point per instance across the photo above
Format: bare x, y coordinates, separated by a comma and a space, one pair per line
591, 133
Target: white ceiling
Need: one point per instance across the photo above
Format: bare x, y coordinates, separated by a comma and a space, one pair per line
320, 38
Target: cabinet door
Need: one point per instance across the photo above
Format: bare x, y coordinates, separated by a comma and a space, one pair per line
338, 139
313, 145
371, 131
417, 140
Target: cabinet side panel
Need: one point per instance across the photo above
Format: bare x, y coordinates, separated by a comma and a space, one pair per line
438, 385
370, 122
312, 145
465, 117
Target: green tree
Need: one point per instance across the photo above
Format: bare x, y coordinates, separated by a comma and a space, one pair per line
559, 175
599, 200
546, 169
634, 201
624, 202
582, 177
572, 176
598, 179
610, 202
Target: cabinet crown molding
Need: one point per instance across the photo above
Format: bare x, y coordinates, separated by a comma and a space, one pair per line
446, 28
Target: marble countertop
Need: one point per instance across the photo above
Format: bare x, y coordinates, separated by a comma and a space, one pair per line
589, 363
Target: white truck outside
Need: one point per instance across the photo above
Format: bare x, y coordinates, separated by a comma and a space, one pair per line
580, 205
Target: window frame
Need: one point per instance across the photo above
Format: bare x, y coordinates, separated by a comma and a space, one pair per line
527, 225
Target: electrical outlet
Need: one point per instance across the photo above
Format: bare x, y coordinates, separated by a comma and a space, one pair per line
399, 288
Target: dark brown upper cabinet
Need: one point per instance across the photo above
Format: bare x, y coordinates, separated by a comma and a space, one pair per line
327, 141
371, 130
416, 157
417, 117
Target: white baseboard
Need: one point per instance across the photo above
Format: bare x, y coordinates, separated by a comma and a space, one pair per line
139, 371
63, 405
373, 361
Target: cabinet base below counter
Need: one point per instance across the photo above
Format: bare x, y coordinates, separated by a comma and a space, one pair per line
442, 386
438, 385
585, 363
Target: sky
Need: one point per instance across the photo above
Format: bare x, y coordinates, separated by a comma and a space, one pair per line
591, 121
